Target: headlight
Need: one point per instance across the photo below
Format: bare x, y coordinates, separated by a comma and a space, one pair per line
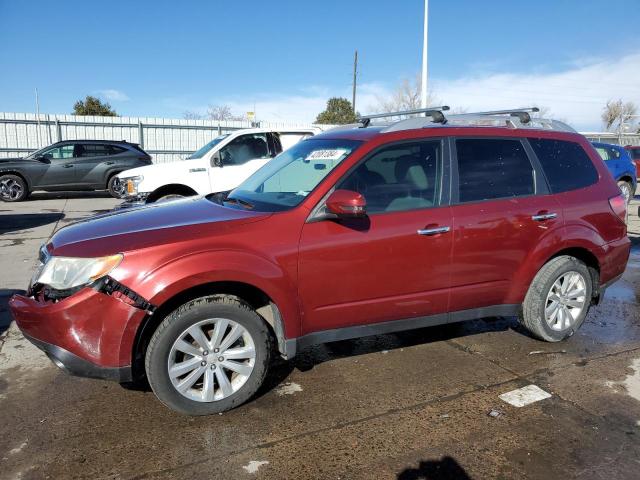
132, 184
63, 273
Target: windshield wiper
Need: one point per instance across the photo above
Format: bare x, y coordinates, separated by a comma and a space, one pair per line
237, 201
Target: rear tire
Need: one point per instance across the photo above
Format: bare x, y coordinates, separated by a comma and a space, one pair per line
546, 297
13, 188
627, 190
215, 383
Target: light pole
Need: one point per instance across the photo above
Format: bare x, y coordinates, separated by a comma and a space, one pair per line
423, 89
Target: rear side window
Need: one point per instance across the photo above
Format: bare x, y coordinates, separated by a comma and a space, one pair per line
115, 150
491, 168
566, 164
91, 150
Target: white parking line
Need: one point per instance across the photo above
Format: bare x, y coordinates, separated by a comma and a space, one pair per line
524, 396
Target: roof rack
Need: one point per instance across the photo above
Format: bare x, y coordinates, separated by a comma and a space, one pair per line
523, 114
511, 118
434, 112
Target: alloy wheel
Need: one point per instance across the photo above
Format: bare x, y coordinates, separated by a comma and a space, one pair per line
625, 188
118, 187
10, 189
566, 301
211, 360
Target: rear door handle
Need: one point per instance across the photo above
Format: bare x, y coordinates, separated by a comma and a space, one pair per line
109, 163
433, 231
67, 165
541, 217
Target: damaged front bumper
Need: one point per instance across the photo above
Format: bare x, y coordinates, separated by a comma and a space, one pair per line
90, 333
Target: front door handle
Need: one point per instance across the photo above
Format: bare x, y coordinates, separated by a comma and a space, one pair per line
433, 231
109, 163
541, 217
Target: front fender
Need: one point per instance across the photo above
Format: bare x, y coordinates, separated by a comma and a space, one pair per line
170, 279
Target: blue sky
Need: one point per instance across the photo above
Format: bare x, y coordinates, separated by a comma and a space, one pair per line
160, 58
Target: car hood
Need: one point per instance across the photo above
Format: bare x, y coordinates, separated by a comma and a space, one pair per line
159, 223
155, 169
4, 161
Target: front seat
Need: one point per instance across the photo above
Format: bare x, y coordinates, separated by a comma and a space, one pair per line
413, 180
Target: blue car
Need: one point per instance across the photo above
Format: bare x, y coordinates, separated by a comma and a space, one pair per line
619, 163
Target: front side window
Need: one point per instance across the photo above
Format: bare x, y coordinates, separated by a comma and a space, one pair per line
492, 168
59, 153
244, 148
207, 148
287, 179
566, 165
604, 153
401, 177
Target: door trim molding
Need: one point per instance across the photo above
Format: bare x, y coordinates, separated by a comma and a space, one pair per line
293, 345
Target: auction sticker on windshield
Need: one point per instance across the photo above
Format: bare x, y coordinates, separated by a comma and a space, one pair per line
327, 154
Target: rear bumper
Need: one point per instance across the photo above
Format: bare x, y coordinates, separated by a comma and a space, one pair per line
615, 256
89, 333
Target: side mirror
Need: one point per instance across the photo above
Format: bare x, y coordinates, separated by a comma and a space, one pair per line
216, 160
347, 204
43, 159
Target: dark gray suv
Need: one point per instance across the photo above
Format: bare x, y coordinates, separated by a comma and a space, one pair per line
70, 165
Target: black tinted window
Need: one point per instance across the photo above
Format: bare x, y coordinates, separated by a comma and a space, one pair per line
93, 150
114, 150
401, 177
493, 168
245, 148
566, 164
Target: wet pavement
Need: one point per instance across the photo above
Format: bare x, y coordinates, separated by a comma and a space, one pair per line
416, 405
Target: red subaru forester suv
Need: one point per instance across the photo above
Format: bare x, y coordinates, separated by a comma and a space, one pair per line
358, 231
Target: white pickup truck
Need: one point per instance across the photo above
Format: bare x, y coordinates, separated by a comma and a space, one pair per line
219, 166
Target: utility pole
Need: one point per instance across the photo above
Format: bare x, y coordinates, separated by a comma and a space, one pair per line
423, 89
355, 80
38, 118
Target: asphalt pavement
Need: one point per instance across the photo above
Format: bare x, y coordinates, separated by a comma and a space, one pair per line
424, 404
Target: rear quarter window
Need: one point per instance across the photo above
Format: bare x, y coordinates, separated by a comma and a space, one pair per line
566, 165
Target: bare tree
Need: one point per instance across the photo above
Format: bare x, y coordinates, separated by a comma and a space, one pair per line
406, 96
543, 112
219, 112
617, 112
189, 115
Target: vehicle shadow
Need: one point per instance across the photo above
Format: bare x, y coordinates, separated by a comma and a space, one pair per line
25, 221
445, 468
67, 195
310, 357
5, 315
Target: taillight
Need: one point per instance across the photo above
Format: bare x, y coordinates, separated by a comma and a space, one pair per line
619, 207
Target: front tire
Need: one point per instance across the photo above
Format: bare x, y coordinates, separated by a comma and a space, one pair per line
116, 187
558, 299
169, 197
13, 188
208, 356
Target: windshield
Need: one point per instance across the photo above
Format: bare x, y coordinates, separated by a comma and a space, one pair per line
287, 179
200, 153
